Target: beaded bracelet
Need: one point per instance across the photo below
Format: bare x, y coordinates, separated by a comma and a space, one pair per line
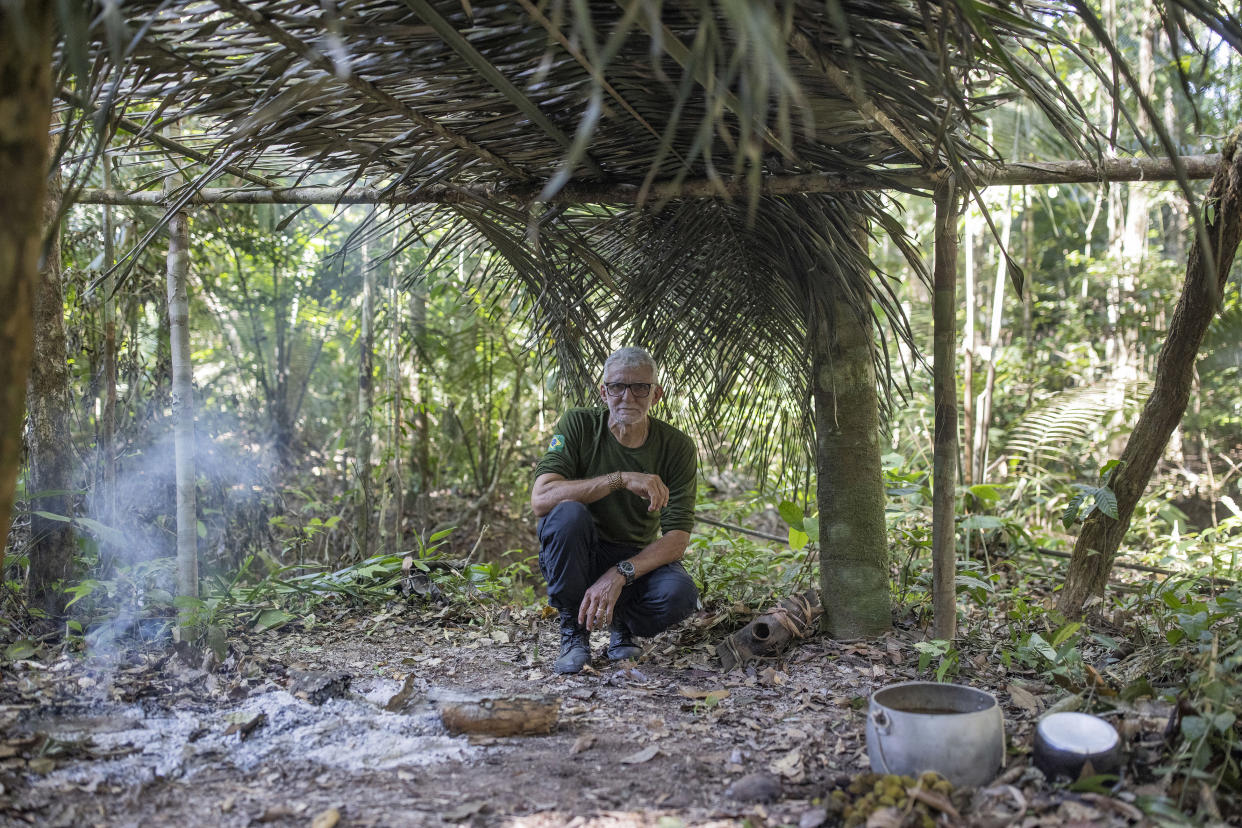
615, 483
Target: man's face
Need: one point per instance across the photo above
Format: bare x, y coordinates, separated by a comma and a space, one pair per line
627, 408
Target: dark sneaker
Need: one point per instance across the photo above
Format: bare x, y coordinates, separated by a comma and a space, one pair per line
621, 644
575, 646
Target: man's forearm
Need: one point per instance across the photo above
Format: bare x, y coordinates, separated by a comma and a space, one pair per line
552, 489
669, 547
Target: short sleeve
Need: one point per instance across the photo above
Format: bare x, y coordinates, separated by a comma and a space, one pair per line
681, 478
563, 455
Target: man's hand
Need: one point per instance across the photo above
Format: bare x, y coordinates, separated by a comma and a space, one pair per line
595, 611
647, 486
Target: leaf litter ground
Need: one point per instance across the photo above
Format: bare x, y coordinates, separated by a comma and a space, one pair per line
297, 727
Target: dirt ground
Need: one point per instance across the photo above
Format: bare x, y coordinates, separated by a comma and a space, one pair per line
140, 737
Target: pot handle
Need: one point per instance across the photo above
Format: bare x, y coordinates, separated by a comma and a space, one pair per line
883, 724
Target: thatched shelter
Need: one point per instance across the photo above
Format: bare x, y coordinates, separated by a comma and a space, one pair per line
705, 175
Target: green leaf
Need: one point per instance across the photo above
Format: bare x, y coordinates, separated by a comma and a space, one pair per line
985, 492
798, 539
1106, 502
971, 582
1071, 511
102, 531
201, 528
811, 527
23, 648
1224, 721
1194, 727
1060, 636
1100, 783
791, 514
270, 619
443, 533
982, 522
53, 516
1037, 643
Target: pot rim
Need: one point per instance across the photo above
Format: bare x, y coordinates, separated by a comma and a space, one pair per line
989, 698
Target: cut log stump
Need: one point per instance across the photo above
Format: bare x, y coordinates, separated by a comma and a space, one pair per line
770, 633
500, 715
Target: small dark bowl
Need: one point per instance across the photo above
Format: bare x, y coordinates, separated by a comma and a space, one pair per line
1065, 742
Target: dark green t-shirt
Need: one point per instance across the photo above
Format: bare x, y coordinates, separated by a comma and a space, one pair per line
582, 447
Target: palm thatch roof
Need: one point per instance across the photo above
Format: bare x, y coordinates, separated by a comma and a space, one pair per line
509, 102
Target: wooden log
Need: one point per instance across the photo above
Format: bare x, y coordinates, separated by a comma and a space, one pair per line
500, 715
1197, 167
770, 633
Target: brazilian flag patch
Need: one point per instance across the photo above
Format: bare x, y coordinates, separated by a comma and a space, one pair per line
558, 443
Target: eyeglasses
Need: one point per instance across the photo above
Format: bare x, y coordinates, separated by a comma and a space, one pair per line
638, 389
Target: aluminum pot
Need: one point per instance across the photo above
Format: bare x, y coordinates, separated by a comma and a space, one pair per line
954, 730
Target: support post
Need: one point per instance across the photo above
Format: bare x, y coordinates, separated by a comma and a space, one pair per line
183, 404
944, 484
366, 401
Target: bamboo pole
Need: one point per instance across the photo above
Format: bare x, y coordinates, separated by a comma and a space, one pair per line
1198, 167
944, 483
183, 404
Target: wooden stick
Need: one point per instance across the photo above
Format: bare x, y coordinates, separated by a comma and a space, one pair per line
1198, 167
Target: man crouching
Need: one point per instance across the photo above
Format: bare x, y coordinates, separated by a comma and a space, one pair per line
615, 497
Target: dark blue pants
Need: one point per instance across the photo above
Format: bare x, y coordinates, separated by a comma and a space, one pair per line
572, 556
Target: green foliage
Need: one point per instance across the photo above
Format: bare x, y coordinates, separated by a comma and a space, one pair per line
945, 655
1090, 498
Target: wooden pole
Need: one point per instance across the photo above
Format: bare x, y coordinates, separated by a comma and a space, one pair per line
944, 483
366, 401
1198, 167
183, 404
107, 428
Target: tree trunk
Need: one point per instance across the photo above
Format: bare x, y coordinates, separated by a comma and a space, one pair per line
854, 584
944, 474
1201, 295
366, 400
51, 454
421, 459
26, 100
107, 430
968, 356
183, 403
983, 411
397, 486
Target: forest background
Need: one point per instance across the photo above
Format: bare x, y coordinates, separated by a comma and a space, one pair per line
355, 404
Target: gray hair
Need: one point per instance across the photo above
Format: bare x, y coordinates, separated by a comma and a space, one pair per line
632, 357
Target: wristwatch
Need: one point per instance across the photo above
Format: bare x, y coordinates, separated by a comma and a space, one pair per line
627, 569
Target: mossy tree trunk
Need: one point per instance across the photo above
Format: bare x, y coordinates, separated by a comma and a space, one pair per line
26, 101
945, 445
854, 583
1202, 288
51, 453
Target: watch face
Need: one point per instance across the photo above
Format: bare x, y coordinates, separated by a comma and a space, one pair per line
626, 568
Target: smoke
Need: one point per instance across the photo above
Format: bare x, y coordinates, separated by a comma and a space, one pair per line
130, 596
